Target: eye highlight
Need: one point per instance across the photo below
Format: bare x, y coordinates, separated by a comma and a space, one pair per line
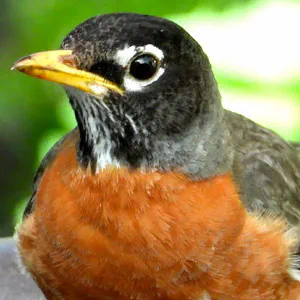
143, 67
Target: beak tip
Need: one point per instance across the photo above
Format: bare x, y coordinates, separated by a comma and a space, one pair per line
20, 63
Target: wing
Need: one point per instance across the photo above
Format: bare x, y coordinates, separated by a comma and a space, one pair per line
13, 284
50, 156
266, 168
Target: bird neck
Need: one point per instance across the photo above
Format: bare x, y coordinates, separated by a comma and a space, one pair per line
111, 138
96, 146
97, 126
199, 153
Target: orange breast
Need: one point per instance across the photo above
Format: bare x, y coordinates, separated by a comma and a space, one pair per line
127, 234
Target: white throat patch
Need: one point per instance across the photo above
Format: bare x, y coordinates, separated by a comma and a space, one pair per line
295, 274
89, 104
102, 150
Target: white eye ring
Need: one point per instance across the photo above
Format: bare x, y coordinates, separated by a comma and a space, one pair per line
126, 55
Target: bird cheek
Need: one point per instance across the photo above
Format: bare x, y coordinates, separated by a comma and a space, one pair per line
98, 90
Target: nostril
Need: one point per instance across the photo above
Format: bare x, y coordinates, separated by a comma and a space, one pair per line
69, 60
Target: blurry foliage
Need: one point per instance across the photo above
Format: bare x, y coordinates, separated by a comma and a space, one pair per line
32, 113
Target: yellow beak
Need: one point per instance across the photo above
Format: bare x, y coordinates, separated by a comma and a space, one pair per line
59, 66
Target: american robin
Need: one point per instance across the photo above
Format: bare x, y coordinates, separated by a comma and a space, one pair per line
152, 196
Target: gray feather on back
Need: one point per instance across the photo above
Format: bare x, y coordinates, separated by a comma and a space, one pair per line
266, 168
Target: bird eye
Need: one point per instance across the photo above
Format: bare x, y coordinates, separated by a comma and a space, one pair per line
143, 67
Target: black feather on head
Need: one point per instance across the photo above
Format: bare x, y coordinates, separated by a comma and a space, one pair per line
171, 103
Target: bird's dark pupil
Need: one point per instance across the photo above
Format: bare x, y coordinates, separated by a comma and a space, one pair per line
143, 67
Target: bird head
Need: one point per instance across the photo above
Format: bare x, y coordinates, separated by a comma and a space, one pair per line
143, 93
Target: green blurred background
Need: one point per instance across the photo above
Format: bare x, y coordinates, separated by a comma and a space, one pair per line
253, 46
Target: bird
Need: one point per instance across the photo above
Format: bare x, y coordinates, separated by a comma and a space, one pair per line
159, 192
